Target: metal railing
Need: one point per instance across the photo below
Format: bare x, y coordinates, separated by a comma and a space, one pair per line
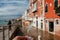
6, 33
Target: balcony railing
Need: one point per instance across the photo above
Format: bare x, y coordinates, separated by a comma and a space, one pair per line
34, 9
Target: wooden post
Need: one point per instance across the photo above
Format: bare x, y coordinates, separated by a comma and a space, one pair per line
3, 33
8, 33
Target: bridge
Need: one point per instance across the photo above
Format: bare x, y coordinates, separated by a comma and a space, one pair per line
7, 34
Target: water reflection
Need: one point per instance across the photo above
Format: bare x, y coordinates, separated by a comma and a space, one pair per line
46, 36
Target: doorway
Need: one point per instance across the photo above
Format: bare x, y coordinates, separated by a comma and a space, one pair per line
51, 26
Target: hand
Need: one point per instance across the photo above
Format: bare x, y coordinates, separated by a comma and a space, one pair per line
20, 38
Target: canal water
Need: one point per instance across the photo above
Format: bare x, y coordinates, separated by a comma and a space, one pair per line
48, 36
44, 35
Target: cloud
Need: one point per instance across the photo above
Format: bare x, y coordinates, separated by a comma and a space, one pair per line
13, 7
13, 0
11, 10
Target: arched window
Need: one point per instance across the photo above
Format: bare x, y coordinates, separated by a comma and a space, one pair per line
46, 8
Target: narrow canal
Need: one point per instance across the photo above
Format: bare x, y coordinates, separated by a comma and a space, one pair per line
49, 36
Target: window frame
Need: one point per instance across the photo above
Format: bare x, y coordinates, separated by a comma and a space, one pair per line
57, 22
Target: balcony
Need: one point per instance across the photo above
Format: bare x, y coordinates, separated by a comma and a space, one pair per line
29, 18
34, 9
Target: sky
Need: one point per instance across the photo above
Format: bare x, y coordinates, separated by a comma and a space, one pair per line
13, 7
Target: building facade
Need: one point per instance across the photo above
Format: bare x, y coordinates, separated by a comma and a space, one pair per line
45, 15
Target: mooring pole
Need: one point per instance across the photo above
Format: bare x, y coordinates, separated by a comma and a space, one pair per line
3, 33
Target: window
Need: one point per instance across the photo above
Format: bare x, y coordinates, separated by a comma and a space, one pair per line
41, 25
57, 22
58, 11
46, 8
56, 3
36, 21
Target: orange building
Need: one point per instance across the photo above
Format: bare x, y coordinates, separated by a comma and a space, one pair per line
52, 16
